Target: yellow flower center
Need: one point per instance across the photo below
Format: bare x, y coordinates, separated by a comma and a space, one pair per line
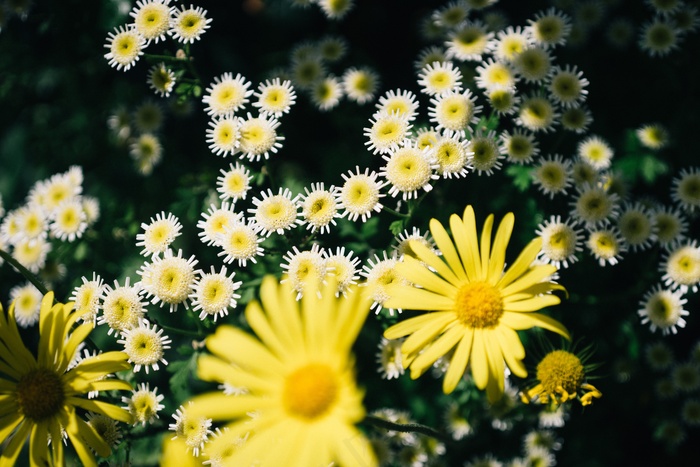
560, 368
310, 391
479, 305
40, 394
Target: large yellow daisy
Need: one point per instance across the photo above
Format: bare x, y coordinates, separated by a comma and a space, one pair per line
300, 402
40, 398
477, 307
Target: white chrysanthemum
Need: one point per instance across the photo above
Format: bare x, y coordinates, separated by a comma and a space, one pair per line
492, 74
319, 207
503, 101
408, 170
69, 221
429, 55
307, 71
485, 157
121, 307
380, 274
152, 19
659, 37
27, 302
670, 226
576, 119
343, 267
509, 43
275, 212
107, 428
51, 193
223, 136
452, 155
86, 298
148, 117
213, 293
404, 239
303, 268
215, 221
234, 183
653, 136
606, 245
537, 113
685, 189
360, 193
335, 9
594, 206
332, 48
387, 132
32, 221
125, 46
440, 77
10, 231
561, 241
681, 267
240, 242
258, 137
161, 79
663, 309
146, 151
450, 15
188, 24
552, 175
454, 111
518, 146
226, 95
549, 28
145, 344
636, 225
360, 84
31, 253
144, 404
596, 152
326, 93
275, 97
389, 358
401, 102
583, 173
426, 138
533, 64
168, 279
194, 431
468, 41
567, 86
158, 234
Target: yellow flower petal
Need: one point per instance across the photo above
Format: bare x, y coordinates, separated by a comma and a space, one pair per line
459, 361
412, 298
522, 263
210, 368
532, 277
479, 361
532, 304
486, 247
431, 259
240, 348
500, 243
522, 321
410, 325
444, 243
467, 247
428, 332
417, 273
437, 349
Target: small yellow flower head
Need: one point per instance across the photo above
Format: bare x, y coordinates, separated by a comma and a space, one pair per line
663, 309
408, 170
106, 428
223, 135
148, 117
686, 189
380, 274
561, 376
503, 100
426, 138
428, 56
159, 234
518, 146
214, 293
670, 225
31, 253
319, 207
438, 78
389, 358
596, 152
360, 84
583, 173
332, 48
469, 41
636, 226
509, 43
451, 154
69, 221
401, 102
27, 302
360, 193
454, 111
121, 307
681, 267
240, 242
485, 157
653, 136
335, 9
387, 132
552, 175
594, 206
144, 404
144, 344
275, 97
550, 28
216, 220
404, 239
561, 241
495, 75
86, 298
344, 269
258, 137
275, 213
303, 268
152, 19
161, 79
533, 64
147, 152
234, 183
188, 24
659, 37
327, 92
567, 86
537, 113
193, 430
450, 15
576, 119
606, 245
125, 46
307, 71
227, 95
168, 279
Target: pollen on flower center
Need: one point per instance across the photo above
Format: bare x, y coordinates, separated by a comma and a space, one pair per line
40, 394
560, 369
479, 305
310, 391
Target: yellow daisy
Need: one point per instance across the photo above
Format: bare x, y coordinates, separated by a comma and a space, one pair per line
40, 398
476, 307
302, 401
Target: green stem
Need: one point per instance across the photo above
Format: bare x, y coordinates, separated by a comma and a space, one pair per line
179, 331
164, 58
25, 272
396, 213
406, 428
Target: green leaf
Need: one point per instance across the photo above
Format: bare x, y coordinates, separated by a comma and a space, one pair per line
396, 227
521, 176
182, 371
196, 90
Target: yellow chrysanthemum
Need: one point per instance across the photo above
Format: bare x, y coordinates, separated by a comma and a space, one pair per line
299, 378
39, 395
476, 307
